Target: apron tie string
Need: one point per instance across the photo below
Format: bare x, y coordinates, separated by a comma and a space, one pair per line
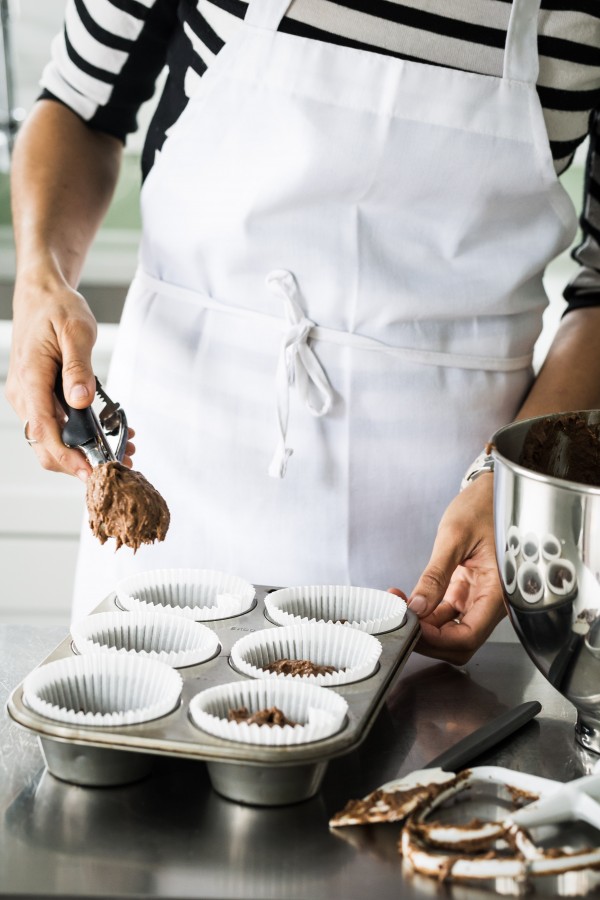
297, 364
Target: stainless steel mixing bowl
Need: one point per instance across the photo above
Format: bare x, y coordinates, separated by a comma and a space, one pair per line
548, 549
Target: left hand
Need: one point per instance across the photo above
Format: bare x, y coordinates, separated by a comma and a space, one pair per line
458, 598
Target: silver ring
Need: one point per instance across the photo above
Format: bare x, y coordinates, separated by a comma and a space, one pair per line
29, 440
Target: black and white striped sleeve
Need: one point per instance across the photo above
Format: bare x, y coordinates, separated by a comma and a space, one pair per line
105, 61
584, 288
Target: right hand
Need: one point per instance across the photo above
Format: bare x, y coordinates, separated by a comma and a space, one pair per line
53, 326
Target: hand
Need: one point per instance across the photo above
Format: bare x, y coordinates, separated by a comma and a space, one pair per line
458, 598
53, 326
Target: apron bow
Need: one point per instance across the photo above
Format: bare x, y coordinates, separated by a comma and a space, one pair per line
297, 364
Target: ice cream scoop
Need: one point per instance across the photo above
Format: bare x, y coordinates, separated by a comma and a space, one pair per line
121, 502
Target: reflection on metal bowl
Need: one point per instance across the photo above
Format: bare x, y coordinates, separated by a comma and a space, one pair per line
547, 533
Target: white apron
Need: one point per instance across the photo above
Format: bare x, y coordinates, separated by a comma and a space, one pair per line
342, 256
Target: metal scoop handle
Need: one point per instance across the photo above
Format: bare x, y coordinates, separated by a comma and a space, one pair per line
83, 429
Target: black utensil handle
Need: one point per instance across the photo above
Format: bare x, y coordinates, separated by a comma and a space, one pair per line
81, 425
487, 736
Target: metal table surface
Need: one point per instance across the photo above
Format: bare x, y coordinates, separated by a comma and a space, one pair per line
171, 836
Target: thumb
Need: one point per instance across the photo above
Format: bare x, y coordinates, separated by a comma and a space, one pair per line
79, 381
431, 587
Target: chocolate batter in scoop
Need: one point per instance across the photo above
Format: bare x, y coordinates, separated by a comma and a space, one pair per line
123, 504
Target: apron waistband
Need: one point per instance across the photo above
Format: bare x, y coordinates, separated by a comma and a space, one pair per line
297, 362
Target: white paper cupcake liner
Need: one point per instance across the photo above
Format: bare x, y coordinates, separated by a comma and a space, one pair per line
199, 594
319, 713
529, 575
103, 689
561, 577
592, 639
513, 540
174, 640
551, 547
530, 547
509, 573
366, 609
352, 652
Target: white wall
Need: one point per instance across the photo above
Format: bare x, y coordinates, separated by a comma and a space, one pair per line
40, 515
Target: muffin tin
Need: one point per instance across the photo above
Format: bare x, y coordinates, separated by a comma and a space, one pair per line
256, 774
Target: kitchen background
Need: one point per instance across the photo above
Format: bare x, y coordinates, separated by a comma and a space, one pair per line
41, 512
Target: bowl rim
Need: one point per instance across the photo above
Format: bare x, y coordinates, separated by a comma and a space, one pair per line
523, 471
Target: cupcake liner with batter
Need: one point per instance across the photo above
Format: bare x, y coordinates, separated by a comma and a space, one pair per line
353, 653
318, 713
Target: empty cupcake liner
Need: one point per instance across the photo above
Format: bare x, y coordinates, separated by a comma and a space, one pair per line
199, 594
531, 582
317, 712
513, 540
103, 689
366, 609
530, 547
560, 577
592, 638
353, 653
509, 573
174, 640
551, 547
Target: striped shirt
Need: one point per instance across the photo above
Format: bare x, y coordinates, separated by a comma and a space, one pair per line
106, 61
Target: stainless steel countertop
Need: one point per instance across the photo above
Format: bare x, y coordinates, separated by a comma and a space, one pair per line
171, 836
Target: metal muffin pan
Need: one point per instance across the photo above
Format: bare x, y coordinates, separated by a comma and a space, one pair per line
257, 775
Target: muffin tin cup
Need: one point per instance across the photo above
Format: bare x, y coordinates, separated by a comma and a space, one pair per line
317, 712
353, 653
103, 690
365, 609
202, 595
174, 640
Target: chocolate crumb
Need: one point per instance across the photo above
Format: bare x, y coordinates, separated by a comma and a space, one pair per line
298, 667
531, 585
272, 716
124, 505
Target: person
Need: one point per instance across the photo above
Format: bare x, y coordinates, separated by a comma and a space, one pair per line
344, 236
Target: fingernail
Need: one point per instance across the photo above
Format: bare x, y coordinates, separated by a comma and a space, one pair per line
418, 604
83, 474
78, 392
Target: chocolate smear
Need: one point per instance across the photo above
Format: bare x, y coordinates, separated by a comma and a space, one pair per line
122, 504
